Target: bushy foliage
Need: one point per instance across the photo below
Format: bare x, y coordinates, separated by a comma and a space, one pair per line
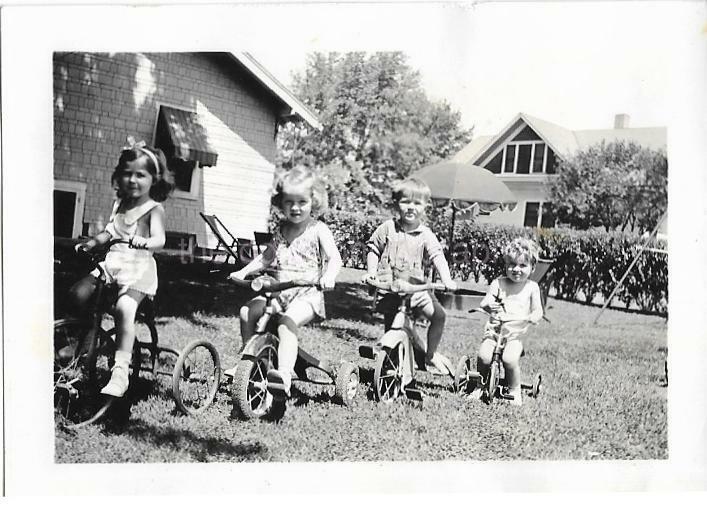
586, 263
616, 185
378, 126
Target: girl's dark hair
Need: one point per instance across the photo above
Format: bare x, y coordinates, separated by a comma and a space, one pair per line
162, 177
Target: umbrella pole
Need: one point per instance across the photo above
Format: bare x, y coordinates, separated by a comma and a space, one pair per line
450, 242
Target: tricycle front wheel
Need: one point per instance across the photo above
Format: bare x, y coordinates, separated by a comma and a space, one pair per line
251, 398
493, 381
388, 373
196, 377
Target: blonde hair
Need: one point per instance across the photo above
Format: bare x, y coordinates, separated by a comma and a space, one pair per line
411, 187
521, 248
305, 177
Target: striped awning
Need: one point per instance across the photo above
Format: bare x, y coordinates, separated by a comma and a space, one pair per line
180, 135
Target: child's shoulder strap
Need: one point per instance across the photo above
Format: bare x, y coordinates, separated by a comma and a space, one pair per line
138, 212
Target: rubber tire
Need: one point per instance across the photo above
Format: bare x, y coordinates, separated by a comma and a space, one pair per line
387, 360
251, 370
346, 383
537, 386
463, 385
493, 382
90, 371
182, 377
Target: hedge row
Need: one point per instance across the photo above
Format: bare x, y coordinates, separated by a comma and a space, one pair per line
586, 263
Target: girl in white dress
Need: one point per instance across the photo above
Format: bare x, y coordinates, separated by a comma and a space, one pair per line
142, 181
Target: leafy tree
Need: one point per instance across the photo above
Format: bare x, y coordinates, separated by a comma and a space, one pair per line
612, 185
379, 126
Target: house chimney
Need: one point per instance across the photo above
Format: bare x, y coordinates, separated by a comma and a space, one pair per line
621, 121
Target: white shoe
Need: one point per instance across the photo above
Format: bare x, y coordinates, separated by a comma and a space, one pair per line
231, 373
118, 384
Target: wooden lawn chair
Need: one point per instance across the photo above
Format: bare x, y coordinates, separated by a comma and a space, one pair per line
541, 270
241, 250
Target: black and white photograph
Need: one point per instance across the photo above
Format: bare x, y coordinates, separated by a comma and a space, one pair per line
408, 247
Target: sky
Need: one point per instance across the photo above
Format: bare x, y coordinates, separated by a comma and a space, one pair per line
576, 65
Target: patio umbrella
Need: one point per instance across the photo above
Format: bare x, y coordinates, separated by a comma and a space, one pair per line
463, 184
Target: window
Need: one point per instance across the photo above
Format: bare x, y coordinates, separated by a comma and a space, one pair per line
538, 214
527, 153
69, 197
187, 177
539, 154
509, 155
532, 210
523, 164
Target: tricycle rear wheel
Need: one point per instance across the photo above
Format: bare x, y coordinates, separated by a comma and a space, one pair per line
347, 381
79, 374
465, 378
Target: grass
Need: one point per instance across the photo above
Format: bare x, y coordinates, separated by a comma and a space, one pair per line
602, 396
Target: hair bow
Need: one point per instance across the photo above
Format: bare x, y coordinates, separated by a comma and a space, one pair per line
132, 144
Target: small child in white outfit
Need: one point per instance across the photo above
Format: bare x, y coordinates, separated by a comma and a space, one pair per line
142, 180
512, 297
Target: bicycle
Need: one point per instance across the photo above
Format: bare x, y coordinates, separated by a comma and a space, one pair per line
251, 398
84, 351
394, 354
466, 380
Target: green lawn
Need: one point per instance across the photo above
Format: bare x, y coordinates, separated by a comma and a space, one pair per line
603, 396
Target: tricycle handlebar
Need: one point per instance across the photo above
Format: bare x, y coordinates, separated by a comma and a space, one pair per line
264, 284
497, 318
402, 287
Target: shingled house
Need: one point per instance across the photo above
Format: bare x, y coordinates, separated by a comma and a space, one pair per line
215, 115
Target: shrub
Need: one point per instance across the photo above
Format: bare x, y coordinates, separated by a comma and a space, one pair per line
586, 263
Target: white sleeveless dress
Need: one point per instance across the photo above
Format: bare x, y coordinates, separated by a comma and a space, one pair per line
130, 269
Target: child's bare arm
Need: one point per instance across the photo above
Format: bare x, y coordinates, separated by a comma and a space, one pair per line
536, 305
98, 240
371, 266
254, 266
490, 303
334, 263
440, 263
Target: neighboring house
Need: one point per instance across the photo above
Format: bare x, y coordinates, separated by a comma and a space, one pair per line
215, 115
525, 155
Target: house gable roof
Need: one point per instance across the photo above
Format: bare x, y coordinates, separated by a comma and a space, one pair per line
276, 88
563, 141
